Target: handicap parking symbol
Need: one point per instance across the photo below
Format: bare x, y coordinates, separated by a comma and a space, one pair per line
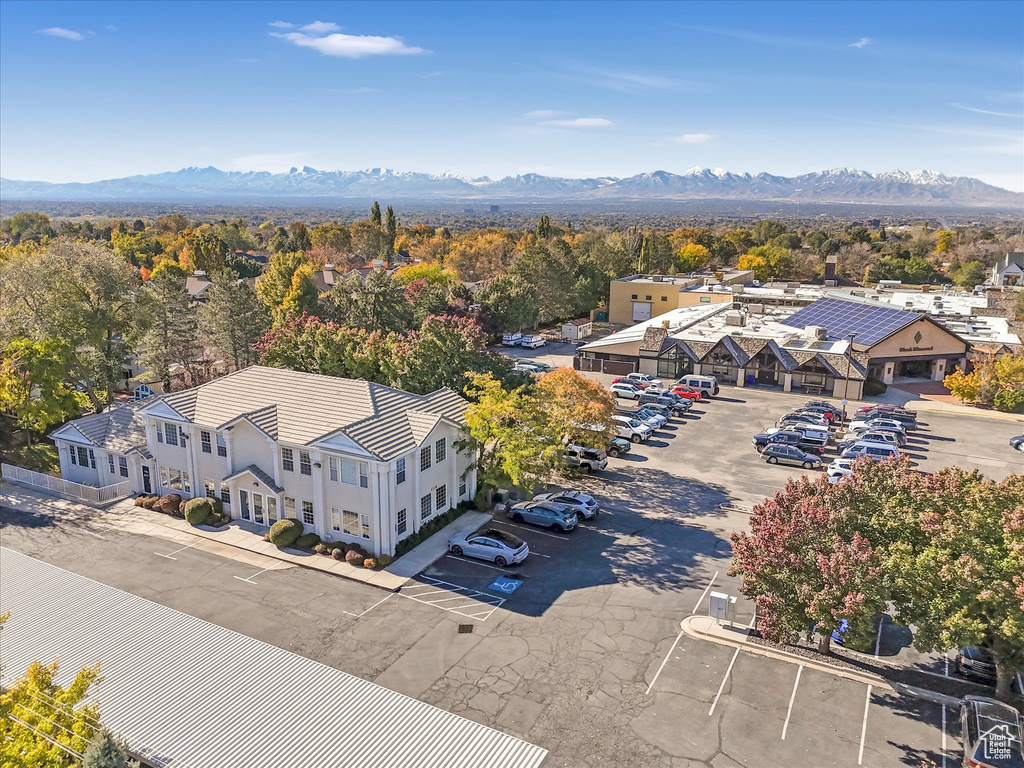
505, 585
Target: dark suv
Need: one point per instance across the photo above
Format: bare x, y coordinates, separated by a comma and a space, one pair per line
667, 399
992, 734
795, 439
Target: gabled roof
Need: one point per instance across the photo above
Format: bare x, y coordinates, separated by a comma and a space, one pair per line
119, 428
1016, 258
259, 474
653, 338
300, 408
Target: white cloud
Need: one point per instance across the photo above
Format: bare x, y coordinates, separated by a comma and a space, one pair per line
860, 43
986, 111
580, 122
692, 138
320, 28
538, 114
67, 34
282, 24
347, 46
272, 163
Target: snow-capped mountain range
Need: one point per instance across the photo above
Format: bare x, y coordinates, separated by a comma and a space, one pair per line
841, 185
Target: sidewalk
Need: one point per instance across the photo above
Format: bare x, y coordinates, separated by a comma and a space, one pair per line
237, 535
916, 402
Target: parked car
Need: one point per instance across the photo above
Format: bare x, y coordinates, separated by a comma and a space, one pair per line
532, 341
659, 408
666, 399
527, 368
690, 393
546, 514
873, 451
785, 437
511, 339
544, 367
812, 432
628, 391
625, 380
836, 411
650, 418
904, 420
708, 385
619, 446
497, 546
892, 424
787, 454
587, 459
643, 378
887, 408
992, 734
1017, 443
631, 429
898, 436
890, 438
803, 418
977, 663
825, 413
839, 469
584, 505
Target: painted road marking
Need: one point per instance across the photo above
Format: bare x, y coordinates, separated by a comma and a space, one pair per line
478, 600
791, 699
724, 679
169, 555
476, 562
664, 661
249, 580
357, 615
864, 727
535, 530
704, 593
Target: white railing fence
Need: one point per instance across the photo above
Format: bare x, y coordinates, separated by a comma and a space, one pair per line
66, 488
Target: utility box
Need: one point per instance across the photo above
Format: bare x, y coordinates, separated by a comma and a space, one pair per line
722, 606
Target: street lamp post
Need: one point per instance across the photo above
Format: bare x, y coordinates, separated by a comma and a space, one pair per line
846, 383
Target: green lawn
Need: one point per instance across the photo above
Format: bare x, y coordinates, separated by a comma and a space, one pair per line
41, 457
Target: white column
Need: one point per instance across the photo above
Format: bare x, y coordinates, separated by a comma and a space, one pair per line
938, 370
787, 382
453, 457
741, 377
319, 513
190, 449
889, 372
275, 451
377, 516
415, 511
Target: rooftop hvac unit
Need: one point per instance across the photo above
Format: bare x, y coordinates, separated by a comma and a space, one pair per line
657, 278
816, 332
735, 318
756, 309
831, 283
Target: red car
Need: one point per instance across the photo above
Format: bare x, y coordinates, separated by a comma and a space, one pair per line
686, 392
634, 382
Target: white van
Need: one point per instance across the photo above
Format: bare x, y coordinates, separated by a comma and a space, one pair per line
708, 385
532, 342
874, 451
511, 339
630, 428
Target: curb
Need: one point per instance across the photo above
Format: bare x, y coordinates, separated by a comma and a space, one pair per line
976, 412
866, 678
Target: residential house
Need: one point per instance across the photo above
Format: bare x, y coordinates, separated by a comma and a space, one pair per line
1009, 270
354, 460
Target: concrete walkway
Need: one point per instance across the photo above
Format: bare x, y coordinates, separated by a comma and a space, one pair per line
237, 538
915, 402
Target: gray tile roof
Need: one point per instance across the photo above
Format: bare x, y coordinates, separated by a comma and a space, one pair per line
653, 337
296, 407
119, 428
259, 474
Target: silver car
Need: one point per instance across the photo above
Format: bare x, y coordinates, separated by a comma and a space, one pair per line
650, 418
585, 506
499, 547
546, 514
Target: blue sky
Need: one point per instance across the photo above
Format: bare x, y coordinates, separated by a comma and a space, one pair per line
101, 90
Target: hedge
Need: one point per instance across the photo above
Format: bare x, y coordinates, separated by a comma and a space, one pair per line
285, 532
169, 504
307, 541
198, 510
874, 387
429, 528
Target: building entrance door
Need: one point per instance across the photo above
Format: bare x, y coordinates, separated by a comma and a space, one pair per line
147, 483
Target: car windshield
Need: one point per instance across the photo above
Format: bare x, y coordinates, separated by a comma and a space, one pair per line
508, 539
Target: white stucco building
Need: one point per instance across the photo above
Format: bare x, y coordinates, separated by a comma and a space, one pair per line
355, 461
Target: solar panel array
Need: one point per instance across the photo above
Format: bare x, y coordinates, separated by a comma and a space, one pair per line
840, 317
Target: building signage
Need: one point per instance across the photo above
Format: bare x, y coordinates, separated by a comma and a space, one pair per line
917, 349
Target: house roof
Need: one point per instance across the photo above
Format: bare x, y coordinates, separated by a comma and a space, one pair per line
259, 474
1015, 257
196, 284
119, 428
296, 407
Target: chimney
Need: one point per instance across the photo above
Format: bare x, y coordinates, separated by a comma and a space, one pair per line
199, 273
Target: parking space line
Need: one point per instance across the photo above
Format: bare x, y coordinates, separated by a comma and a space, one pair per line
792, 697
168, 555
249, 579
525, 528
943, 736
864, 727
722, 686
704, 593
477, 599
363, 613
664, 661
474, 562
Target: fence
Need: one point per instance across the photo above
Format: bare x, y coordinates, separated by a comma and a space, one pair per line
614, 367
65, 488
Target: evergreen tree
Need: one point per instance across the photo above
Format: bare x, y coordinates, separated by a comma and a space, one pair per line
172, 333
544, 228
107, 752
375, 214
233, 319
300, 239
391, 227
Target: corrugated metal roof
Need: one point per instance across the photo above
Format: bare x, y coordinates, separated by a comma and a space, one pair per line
186, 693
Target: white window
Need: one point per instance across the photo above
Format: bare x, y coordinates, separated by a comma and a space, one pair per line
403, 521
185, 483
462, 486
399, 471
305, 467
204, 441
335, 519
425, 458
440, 451
289, 507
222, 447
159, 432
364, 475
287, 460
175, 478
170, 433
332, 463
72, 454
441, 495
365, 533
425, 507
83, 456
307, 513
164, 482
122, 464
225, 494
348, 472
92, 459
350, 521
272, 509
211, 489
110, 463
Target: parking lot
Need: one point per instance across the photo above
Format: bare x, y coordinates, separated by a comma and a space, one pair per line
579, 648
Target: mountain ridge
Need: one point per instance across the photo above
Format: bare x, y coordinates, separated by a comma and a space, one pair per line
837, 185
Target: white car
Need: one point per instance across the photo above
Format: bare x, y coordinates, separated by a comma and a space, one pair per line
631, 429
622, 389
526, 368
585, 506
838, 469
644, 378
862, 425
650, 418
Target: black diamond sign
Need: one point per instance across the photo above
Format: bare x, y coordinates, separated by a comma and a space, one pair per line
918, 337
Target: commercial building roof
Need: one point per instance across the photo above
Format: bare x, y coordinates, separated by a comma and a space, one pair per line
186, 693
118, 428
870, 321
296, 407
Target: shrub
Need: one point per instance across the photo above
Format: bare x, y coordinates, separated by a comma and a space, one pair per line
266, 536
354, 558
285, 532
369, 563
168, 504
1010, 401
480, 500
139, 500
384, 561
216, 521
198, 511
147, 502
333, 545
216, 506
321, 549
355, 548
307, 541
338, 554
874, 387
